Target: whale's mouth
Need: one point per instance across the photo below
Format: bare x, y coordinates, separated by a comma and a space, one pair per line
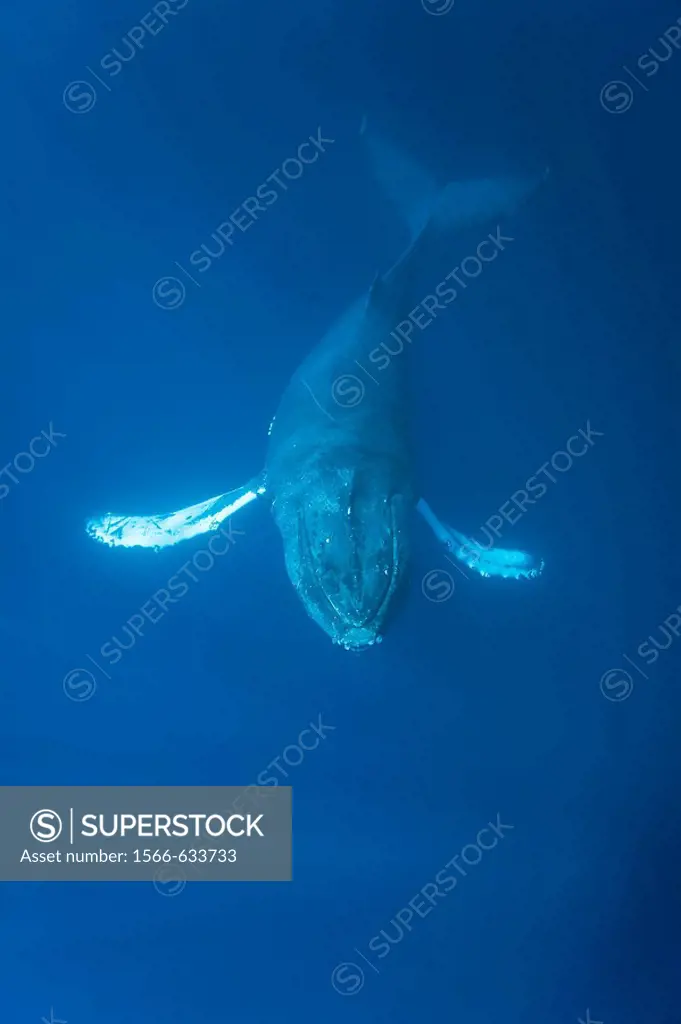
359, 623
351, 560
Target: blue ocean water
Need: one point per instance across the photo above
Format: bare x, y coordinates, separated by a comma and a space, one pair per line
549, 708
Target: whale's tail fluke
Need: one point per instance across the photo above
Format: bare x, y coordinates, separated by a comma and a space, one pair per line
411, 189
159, 531
423, 202
504, 562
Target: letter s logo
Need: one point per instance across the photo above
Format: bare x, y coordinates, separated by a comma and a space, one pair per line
45, 826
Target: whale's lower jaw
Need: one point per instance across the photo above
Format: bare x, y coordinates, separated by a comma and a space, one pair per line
344, 529
354, 610
337, 613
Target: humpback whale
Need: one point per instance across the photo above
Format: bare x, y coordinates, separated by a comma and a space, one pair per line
338, 472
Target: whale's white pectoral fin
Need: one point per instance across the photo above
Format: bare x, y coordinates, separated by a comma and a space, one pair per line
505, 562
172, 527
488, 562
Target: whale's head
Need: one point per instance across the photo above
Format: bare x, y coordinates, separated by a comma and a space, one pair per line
345, 542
